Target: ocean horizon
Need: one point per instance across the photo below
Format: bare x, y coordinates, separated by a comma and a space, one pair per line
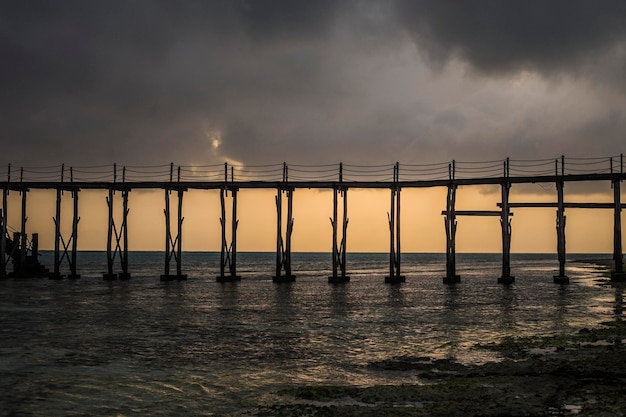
260, 264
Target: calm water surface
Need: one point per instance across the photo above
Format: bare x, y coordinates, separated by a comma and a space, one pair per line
90, 347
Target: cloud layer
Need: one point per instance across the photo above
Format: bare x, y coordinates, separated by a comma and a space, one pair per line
147, 82
495, 37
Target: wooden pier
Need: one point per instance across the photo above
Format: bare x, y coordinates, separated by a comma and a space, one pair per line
119, 182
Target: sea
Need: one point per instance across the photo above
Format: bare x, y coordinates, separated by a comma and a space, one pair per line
198, 347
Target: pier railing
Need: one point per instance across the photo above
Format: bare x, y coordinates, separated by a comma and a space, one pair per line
341, 172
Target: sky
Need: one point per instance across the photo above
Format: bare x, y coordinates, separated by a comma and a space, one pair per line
313, 82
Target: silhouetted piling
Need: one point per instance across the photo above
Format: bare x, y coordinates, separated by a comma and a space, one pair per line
173, 244
505, 223
450, 225
561, 278
228, 252
618, 274
4, 235
395, 276
339, 248
283, 245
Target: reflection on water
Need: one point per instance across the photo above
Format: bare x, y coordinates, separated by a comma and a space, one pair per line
146, 347
619, 300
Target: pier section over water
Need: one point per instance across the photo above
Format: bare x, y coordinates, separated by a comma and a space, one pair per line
286, 180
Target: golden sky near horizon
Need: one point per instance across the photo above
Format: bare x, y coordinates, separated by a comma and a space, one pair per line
588, 231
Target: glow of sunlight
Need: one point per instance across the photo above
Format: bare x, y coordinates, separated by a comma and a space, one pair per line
421, 220
215, 138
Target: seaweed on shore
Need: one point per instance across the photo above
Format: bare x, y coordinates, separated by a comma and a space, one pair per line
582, 374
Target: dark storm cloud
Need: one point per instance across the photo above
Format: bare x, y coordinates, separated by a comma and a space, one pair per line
86, 77
143, 82
501, 37
279, 19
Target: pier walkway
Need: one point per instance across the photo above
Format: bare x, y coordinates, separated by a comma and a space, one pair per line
175, 180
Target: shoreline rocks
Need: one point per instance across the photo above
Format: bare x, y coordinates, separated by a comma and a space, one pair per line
583, 374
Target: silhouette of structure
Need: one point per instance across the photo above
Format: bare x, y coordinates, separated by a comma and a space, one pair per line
286, 179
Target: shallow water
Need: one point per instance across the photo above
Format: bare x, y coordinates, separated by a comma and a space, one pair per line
90, 347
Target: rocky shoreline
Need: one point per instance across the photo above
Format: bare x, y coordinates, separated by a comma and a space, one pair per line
581, 374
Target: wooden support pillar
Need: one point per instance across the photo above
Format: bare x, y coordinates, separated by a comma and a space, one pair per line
224, 253
3, 237
233, 233
23, 235
333, 222
168, 233
15, 253
279, 235
505, 223
75, 219
109, 275
283, 245
618, 274
35, 246
173, 245
561, 278
228, 254
288, 234
339, 248
117, 240
450, 225
124, 275
179, 237
59, 242
56, 274
395, 276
